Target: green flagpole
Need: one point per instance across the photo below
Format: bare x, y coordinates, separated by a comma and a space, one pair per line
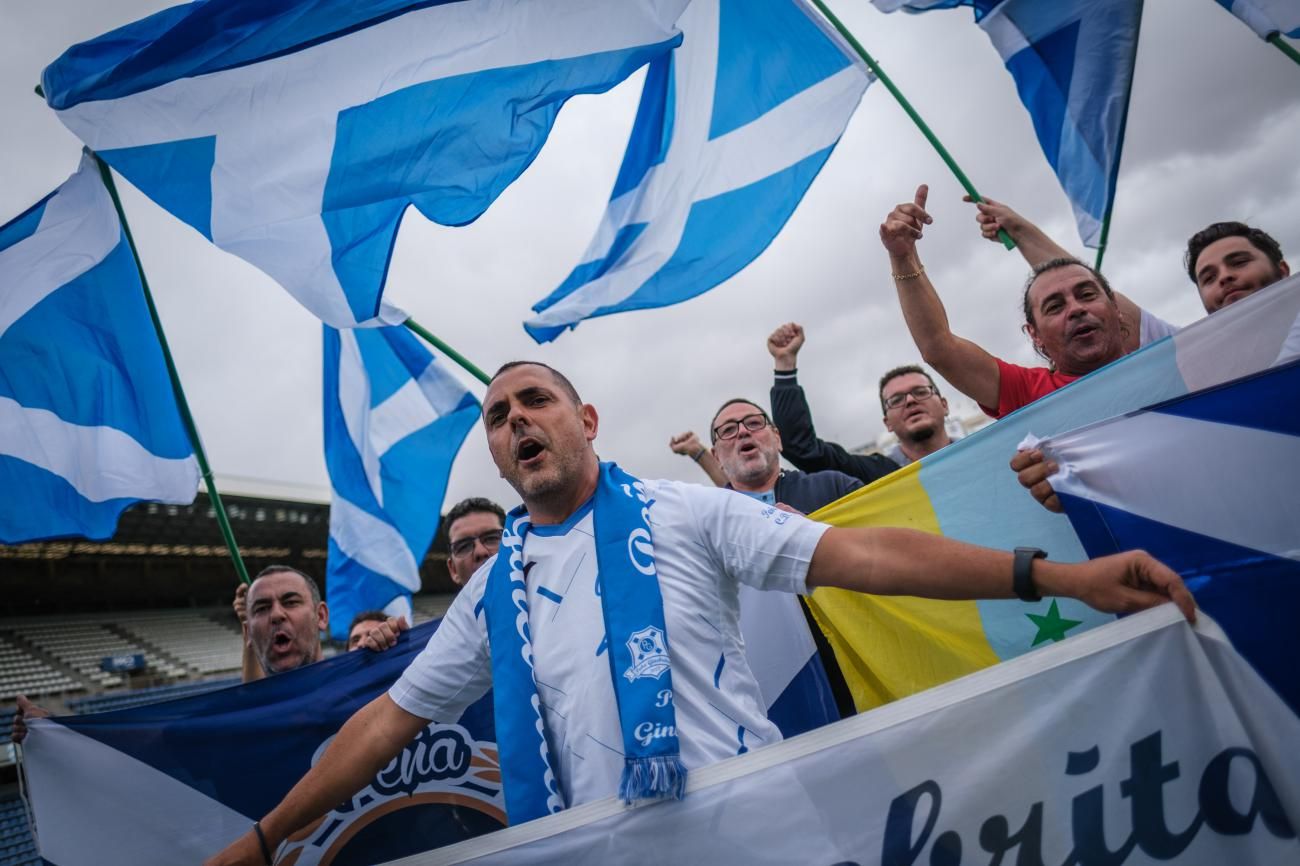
181, 403
911, 112
1285, 47
438, 344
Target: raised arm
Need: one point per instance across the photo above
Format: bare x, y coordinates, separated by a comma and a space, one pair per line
793, 418
968, 367
689, 445
885, 561
1036, 247
249, 667
363, 746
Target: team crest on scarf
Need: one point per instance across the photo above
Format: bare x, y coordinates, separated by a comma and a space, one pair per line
649, 654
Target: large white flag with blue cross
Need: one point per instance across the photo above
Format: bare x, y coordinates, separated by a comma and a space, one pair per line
394, 420
88, 419
296, 134
732, 128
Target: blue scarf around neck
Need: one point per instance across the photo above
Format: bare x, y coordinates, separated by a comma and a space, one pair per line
637, 638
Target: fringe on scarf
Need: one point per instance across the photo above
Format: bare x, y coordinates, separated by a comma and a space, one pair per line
657, 778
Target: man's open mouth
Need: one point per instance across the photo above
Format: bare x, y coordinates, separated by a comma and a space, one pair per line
1084, 331
527, 450
281, 641
746, 448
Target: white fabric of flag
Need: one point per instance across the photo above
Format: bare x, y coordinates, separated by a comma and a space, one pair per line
1267, 17
394, 420
1231, 529
732, 128
88, 420
295, 135
1072, 61
1143, 741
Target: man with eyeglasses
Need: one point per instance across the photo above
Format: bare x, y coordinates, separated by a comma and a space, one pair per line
914, 412
474, 528
747, 445
793, 418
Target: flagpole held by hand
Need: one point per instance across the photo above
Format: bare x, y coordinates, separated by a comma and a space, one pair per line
911, 112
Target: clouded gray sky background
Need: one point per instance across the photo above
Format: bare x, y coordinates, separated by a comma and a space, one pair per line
1214, 118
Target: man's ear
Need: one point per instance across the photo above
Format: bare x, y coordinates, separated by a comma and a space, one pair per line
1284, 268
944, 401
590, 421
885, 420
323, 617
777, 433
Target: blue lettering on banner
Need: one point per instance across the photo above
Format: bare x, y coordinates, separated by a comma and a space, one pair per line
1144, 788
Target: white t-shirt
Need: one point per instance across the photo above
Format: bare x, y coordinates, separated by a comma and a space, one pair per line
707, 542
1153, 328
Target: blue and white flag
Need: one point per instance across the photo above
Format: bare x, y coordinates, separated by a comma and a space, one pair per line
88, 420
732, 128
1072, 61
780, 652
1208, 483
295, 134
1267, 17
394, 420
176, 782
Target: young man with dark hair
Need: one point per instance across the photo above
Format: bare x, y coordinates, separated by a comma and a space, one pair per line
1229, 261
915, 412
616, 604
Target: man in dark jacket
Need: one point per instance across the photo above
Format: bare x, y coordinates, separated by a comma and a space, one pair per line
794, 419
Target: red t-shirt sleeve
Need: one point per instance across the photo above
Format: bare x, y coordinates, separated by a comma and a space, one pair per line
1019, 386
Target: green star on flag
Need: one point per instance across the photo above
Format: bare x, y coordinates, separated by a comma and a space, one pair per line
1051, 627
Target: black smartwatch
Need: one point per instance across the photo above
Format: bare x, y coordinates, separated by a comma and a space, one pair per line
1022, 578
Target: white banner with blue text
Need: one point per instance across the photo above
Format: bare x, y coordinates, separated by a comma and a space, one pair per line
1143, 741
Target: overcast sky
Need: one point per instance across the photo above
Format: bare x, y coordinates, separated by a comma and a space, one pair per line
1214, 118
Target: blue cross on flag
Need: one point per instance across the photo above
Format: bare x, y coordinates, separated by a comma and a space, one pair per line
732, 128
394, 420
295, 134
88, 419
1072, 61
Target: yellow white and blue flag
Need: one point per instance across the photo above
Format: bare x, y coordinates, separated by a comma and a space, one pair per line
892, 647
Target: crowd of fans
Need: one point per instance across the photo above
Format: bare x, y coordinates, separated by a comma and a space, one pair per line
1076, 321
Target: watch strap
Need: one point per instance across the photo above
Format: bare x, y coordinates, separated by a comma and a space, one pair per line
1022, 576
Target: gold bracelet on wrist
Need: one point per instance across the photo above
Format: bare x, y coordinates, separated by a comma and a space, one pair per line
920, 270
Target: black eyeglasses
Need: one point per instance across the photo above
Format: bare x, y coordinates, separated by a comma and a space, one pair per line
919, 393
490, 540
730, 429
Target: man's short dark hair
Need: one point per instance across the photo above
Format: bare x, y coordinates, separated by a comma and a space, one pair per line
276, 569
733, 401
473, 505
904, 370
561, 379
367, 616
1056, 264
1258, 238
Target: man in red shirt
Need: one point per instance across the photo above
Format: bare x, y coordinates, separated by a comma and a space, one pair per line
1070, 315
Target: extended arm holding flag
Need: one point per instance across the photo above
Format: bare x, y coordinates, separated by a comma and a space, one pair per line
889, 561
